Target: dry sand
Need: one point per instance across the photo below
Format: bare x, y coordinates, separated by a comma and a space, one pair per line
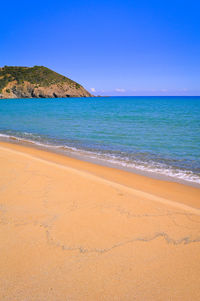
71, 230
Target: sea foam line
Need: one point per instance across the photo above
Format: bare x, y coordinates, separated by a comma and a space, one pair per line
154, 167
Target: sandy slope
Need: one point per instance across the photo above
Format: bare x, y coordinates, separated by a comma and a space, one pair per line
71, 230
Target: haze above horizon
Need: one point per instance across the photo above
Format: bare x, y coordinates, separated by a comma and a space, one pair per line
111, 48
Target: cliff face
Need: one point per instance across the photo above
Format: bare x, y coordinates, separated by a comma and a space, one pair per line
37, 82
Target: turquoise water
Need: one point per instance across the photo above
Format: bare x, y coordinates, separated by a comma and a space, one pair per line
159, 134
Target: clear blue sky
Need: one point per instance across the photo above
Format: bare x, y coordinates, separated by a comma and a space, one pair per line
117, 47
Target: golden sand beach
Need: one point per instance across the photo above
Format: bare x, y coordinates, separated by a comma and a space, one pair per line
72, 230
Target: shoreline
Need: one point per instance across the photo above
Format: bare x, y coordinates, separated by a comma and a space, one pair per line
156, 186
94, 159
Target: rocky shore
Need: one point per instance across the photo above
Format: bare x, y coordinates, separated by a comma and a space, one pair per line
37, 82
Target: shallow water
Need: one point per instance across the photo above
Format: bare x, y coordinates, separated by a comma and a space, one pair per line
158, 134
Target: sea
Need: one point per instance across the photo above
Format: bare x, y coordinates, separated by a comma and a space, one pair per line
156, 136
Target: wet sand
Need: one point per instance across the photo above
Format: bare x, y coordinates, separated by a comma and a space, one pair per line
73, 230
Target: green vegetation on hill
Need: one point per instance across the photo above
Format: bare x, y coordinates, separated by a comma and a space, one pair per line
38, 75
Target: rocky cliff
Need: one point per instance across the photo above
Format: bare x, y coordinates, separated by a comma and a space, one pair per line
37, 82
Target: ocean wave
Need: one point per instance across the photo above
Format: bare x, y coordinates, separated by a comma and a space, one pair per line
117, 158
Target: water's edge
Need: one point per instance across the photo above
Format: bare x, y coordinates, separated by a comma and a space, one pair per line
94, 158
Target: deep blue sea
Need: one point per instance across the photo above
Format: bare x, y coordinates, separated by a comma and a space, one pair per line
158, 134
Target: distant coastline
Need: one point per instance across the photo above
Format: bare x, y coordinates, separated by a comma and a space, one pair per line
37, 82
